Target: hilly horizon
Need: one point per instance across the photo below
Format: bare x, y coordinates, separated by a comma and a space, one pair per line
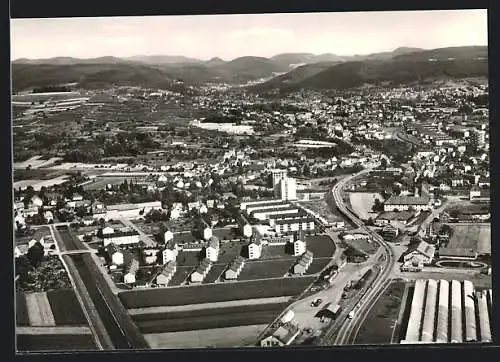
287, 70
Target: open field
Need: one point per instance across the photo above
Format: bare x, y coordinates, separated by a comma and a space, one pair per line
152, 311
270, 252
362, 203
214, 273
37, 174
55, 342
364, 245
240, 336
54, 330
260, 314
65, 307
321, 208
266, 269
22, 318
471, 236
320, 245
380, 323
39, 311
317, 266
207, 312
38, 184
181, 275
208, 293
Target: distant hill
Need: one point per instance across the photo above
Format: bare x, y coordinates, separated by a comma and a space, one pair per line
214, 61
163, 59
294, 76
70, 61
383, 55
457, 53
25, 76
358, 73
288, 59
306, 70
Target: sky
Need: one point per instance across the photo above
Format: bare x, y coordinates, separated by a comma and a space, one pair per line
232, 36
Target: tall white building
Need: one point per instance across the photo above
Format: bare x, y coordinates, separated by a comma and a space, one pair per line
286, 189
278, 175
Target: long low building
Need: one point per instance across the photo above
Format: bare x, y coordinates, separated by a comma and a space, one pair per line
304, 224
445, 312
405, 203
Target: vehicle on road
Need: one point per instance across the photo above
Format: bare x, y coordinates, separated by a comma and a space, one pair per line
316, 303
350, 315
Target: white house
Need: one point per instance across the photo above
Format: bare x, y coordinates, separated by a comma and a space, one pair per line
235, 268
130, 271
254, 249
201, 272
207, 232
422, 255
168, 235
115, 254
169, 254
48, 216
212, 250
167, 273
283, 336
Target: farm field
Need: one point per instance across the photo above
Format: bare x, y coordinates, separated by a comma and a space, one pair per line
39, 311
209, 293
266, 269
240, 336
209, 322
320, 245
22, 318
317, 266
379, 326
149, 313
55, 342
362, 203
364, 245
38, 184
471, 236
65, 307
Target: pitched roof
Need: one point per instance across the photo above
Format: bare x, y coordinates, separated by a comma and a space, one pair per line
426, 249
407, 200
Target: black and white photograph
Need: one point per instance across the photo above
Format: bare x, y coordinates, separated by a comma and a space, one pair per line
251, 180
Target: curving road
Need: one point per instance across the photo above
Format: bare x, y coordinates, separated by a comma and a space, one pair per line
384, 258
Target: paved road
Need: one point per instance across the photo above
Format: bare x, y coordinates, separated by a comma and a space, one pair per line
384, 257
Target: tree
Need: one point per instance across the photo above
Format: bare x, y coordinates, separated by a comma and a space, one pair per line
378, 206
35, 254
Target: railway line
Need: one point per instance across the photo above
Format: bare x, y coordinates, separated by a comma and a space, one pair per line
349, 329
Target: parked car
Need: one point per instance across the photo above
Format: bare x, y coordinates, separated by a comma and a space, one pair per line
316, 302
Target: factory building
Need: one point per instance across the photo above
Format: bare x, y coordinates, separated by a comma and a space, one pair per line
448, 312
442, 320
